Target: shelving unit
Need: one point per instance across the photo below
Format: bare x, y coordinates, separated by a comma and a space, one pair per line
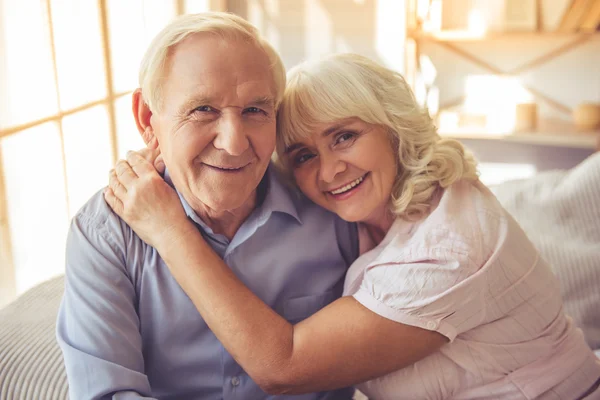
580, 140
572, 37
464, 35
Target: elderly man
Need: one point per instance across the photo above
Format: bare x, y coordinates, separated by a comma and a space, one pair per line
210, 87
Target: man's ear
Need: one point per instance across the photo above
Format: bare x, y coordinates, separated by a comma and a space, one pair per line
142, 116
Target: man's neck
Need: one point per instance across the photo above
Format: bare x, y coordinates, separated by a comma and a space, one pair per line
226, 222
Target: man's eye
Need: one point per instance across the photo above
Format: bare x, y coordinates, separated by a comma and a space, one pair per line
253, 110
204, 109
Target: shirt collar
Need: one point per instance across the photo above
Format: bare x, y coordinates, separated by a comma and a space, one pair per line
278, 198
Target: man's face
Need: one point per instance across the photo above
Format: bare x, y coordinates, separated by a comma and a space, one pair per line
216, 129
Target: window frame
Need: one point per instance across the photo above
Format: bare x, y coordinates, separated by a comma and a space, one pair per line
7, 266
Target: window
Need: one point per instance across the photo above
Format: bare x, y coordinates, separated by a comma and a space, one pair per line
67, 69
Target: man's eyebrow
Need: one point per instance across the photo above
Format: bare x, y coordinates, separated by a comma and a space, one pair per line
194, 102
264, 101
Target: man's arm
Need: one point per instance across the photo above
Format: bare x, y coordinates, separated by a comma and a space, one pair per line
98, 326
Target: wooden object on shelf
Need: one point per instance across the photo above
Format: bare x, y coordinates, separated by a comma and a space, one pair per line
412, 23
521, 15
472, 121
455, 14
587, 117
526, 115
575, 15
591, 22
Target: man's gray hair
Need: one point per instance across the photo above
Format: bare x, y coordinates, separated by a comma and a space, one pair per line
225, 25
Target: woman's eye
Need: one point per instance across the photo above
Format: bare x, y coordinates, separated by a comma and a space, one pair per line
344, 137
302, 158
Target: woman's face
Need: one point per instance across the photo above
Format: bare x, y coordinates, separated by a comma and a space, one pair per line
348, 167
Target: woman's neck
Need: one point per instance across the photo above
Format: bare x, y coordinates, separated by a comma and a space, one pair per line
378, 225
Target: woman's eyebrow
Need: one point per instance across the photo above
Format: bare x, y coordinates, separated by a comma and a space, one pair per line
332, 129
292, 147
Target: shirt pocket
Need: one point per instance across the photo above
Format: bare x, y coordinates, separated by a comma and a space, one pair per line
297, 309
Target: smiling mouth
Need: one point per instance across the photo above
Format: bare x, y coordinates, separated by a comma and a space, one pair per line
226, 169
349, 186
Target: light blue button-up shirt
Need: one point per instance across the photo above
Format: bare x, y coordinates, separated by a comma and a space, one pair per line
128, 331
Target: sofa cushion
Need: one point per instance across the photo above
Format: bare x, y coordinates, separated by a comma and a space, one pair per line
560, 211
31, 364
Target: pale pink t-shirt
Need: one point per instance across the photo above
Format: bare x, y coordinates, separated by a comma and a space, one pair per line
469, 272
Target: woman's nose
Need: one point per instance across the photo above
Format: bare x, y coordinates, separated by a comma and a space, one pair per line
330, 167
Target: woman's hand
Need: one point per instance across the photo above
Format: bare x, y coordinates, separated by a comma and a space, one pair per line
141, 197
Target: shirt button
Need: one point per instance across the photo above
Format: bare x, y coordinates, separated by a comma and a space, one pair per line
431, 325
235, 381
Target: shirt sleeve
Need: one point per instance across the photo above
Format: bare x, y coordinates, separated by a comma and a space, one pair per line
98, 326
439, 291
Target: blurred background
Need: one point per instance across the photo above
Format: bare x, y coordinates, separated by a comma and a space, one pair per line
517, 80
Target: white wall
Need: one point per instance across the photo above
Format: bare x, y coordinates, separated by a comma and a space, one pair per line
305, 29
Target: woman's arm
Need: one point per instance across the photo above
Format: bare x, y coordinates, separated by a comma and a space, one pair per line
343, 344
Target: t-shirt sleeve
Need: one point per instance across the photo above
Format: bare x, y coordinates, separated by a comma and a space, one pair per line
438, 290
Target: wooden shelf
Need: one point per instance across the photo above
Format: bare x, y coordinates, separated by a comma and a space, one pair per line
466, 36
583, 140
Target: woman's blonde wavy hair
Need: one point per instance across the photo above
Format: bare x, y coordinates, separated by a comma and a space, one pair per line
343, 86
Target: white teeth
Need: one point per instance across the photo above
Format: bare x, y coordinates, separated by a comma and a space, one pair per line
348, 186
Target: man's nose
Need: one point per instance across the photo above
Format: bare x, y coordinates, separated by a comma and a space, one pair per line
329, 167
230, 135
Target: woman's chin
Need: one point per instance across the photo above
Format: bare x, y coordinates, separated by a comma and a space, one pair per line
348, 212
352, 215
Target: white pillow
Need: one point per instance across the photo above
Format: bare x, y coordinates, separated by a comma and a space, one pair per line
560, 211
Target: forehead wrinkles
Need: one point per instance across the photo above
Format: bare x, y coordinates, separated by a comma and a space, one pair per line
237, 79
222, 90
228, 96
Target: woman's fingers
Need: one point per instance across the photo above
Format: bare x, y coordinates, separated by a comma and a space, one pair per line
159, 164
142, 161
125, 173
115, 185
113, 201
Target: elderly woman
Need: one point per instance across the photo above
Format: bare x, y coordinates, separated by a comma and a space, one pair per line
449, 299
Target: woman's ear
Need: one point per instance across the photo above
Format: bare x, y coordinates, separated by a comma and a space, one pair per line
142, 116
